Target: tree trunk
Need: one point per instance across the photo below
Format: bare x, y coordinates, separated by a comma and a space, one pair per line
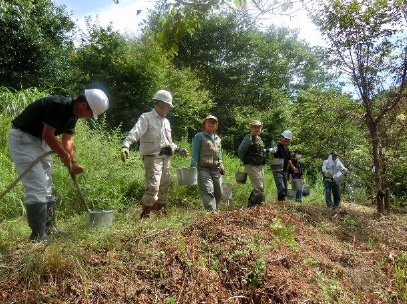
377, 165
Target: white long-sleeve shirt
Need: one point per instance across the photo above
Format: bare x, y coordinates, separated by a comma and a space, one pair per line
154, 133
329, 165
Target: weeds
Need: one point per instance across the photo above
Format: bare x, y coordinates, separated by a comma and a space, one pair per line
284, 233
400, 273
255, 277
350, 221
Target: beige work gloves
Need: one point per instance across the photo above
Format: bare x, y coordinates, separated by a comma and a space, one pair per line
124, 154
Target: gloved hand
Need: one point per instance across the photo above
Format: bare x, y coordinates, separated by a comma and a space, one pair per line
183, 152
124, 154
272, 150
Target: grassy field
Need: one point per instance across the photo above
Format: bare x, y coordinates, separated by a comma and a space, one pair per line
291, 253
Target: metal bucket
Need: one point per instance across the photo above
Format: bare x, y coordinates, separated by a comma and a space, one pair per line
298, 184
99, 218
241, 177
226, 191
291, 193
339, 177
94, 218
187, 176
306, 190
277, 164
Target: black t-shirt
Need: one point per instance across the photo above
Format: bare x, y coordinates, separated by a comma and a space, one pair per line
54, 111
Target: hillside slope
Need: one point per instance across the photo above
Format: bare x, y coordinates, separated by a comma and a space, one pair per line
267, 254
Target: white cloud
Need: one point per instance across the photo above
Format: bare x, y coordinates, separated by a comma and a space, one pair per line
125, 16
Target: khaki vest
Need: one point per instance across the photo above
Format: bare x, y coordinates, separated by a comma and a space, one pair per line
210, 152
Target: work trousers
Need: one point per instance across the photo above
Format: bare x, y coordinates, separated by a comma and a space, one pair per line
256, 176
298, 193
210, 187
24, 149
157, 179
280, 178
332, 187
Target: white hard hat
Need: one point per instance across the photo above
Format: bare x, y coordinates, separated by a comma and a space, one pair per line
287, 134
97, 100
164, 96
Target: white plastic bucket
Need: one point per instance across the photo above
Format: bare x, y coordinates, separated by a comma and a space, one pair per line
291, 193
187, 176
226, 191
277, 164
241, 177
339, 177
306, 190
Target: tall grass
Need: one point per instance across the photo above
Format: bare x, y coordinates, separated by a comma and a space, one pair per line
107, 182
11, 103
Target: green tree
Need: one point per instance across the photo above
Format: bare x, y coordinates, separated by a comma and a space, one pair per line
35, 39
131, 71
250, 73
368, 40
326, 120
253, 74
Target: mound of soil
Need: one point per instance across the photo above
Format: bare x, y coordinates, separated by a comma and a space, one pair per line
294, 253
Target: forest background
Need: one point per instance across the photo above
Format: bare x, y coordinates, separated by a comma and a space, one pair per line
215, 60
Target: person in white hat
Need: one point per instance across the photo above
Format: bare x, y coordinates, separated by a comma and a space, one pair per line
154, 132
252, 154
33, 136
280, 175
207, 158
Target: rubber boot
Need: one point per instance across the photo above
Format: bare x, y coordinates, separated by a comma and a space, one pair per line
37, 217
51, 220
145, 212
249, 200
255, 198
159, 208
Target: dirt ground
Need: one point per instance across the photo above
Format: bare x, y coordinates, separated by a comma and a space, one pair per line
293, 253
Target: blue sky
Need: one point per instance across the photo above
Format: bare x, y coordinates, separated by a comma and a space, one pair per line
125, 16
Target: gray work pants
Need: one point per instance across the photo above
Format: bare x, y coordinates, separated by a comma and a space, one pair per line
210, 186
280, 178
